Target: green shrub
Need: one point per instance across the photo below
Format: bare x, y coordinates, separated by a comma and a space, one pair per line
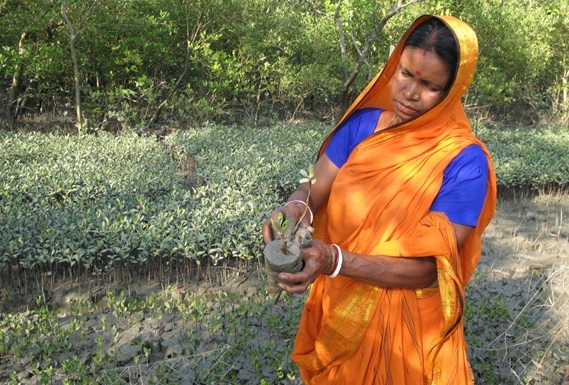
98, 203
529, 158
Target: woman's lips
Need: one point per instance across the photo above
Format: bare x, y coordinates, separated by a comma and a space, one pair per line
406, 109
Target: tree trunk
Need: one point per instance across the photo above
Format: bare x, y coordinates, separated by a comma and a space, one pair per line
190, 40
76, 76
11, 107
565, 100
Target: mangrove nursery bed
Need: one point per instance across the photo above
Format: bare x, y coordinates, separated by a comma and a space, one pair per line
102, 239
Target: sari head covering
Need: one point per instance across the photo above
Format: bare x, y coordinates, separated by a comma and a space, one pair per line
352, 332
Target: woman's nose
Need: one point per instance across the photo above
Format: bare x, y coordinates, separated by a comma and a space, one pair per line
411, 91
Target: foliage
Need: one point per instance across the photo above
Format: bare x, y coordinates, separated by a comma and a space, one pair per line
256, 59
100, 203
83, 200
529, 158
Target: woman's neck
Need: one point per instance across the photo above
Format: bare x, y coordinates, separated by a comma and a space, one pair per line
387, 119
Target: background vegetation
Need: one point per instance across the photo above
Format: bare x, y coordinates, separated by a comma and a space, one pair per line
102, 205
143, 62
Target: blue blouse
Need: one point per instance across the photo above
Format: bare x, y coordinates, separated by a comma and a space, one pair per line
464, 186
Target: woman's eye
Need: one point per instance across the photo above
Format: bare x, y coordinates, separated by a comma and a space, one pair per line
432, 88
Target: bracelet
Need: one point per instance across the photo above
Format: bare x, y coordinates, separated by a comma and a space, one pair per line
305, 205
338, 261
334, 261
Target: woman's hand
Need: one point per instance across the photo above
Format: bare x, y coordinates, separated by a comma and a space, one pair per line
292, 211
324, 173
318, 259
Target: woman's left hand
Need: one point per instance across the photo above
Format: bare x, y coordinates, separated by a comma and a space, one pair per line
318, 259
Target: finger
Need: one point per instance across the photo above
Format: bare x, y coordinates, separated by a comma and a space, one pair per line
296, 289
295, 212
267, 232
293, 283
292, 279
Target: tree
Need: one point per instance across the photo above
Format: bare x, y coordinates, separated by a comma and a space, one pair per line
73, 32
366, 43
139, 62
26, 42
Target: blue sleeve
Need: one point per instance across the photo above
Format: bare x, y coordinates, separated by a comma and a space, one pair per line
464, 188
356, 128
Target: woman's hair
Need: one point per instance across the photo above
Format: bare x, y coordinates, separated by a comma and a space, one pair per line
434, 36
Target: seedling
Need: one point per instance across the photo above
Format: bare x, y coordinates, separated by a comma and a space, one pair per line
283, 253
280, 226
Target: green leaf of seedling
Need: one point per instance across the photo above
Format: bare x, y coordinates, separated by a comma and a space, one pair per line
280, 224
311, 171
280, 218
285, 225
308, 176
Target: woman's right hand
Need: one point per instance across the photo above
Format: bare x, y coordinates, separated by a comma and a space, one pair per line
325, 172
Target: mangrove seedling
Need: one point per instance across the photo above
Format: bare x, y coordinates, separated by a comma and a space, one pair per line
283, 253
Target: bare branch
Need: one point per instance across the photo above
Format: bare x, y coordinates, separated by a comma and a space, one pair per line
314, 9
190, 39
87, 14
70, 27
363, 53
397, 8
340, 26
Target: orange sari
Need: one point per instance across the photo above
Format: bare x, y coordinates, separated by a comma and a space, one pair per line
352, 332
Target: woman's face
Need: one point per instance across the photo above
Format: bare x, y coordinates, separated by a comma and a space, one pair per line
419, 83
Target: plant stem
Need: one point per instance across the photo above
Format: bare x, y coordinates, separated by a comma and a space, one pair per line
297, 224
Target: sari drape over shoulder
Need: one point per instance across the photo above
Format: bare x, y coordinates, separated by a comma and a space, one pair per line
352, 332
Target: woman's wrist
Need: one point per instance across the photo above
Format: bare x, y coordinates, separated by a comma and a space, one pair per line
338, 259
333, 260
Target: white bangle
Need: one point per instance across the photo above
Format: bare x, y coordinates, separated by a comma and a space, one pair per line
339, 263
304, 203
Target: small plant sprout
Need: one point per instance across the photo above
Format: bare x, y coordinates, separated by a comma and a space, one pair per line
280, 226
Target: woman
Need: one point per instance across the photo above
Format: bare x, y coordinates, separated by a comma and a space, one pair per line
403, 192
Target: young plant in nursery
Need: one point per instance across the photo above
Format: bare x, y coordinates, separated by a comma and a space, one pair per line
283, 253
